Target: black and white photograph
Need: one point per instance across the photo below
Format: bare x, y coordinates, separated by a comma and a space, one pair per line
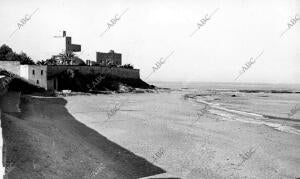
150, 89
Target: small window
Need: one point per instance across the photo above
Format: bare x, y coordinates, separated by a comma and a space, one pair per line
37, 82
33, 72
42, 72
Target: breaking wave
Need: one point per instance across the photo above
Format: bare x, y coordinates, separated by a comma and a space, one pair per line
277, 123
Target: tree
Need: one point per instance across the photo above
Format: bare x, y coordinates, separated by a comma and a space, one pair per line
25, 60
4, 50
66, 58
43, 62
12, 56
78, 61
51, 61
6, 54
63, 59
128, 66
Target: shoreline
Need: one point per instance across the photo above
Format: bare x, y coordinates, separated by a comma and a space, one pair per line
50, 138
285, 124
194, 143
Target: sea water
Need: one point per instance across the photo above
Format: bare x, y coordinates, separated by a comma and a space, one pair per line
273, 105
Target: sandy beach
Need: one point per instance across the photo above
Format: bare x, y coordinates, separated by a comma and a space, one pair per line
192, 146
150, 89
162, 135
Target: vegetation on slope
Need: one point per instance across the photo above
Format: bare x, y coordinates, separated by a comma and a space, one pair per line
75, 81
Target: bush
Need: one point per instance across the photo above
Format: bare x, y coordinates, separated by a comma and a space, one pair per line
76, 81
128, 66
6, 54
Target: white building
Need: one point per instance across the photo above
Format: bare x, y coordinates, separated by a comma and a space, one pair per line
35, 74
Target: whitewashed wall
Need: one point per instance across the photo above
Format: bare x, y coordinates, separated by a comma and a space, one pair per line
2, 169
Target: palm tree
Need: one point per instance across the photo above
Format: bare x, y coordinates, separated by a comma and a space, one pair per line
66, 58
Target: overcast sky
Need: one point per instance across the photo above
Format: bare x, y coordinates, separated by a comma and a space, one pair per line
152, 29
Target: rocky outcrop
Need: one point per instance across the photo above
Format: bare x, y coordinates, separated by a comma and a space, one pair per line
75, 81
